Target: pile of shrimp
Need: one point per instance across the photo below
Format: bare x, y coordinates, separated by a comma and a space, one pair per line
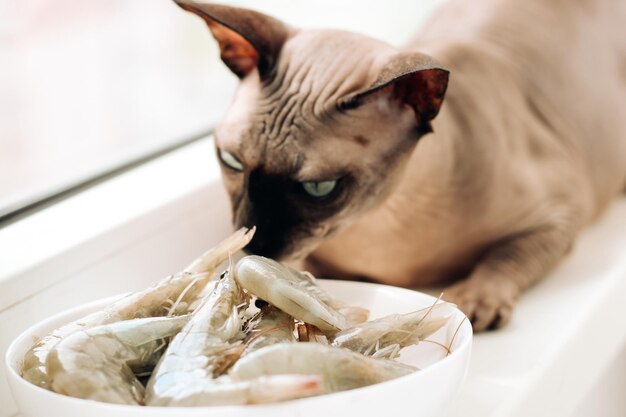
203, 338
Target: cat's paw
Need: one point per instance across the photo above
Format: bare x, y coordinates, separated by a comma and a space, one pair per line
487, 303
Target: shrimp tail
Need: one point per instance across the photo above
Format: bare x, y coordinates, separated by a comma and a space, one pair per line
275, 388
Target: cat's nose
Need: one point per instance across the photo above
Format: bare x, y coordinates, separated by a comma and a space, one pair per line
264, 206
266, 241
265, 246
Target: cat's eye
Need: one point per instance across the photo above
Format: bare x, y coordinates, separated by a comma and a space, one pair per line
230, 160
319, 189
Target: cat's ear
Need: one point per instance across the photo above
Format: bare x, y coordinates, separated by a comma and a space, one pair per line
415, 79
247, 39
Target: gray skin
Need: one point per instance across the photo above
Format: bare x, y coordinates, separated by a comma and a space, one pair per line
528, 148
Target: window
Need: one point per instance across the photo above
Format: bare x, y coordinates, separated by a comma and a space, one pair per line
86, 87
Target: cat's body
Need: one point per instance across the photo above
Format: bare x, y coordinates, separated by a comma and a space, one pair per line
528, 148
534, 123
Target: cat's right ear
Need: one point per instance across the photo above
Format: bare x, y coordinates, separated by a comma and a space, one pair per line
247, 39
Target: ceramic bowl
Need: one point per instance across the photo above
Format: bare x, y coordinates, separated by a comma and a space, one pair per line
428, 392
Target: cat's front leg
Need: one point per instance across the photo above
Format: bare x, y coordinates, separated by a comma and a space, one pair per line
510, 266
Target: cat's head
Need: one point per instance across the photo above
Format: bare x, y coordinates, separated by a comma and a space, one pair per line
321, 126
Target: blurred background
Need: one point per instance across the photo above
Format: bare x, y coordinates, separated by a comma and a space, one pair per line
89, 86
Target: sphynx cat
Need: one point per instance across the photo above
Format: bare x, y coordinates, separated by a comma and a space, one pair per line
471, 157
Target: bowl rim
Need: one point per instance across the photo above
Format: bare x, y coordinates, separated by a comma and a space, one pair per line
10, 358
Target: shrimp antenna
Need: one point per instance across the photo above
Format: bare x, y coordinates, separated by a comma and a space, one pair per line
430, 309
454, 335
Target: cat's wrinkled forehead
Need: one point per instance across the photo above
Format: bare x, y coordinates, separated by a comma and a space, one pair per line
315, 70
328, 57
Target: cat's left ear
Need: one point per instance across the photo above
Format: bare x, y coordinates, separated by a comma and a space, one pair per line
413, 78
247, 39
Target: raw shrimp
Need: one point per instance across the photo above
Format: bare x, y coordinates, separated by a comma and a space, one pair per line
96, 363
186, 374
288, 290
385, 337
172, 295
204, 343
340, 369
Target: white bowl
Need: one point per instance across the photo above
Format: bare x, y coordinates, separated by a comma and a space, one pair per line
428, 392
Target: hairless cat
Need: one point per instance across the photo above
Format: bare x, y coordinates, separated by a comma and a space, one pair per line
343, 152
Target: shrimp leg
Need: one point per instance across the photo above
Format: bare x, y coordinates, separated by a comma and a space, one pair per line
272, 326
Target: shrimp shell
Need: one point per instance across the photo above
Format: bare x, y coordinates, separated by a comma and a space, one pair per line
285, 288
340, 369
229, 391
96, 363
353, 314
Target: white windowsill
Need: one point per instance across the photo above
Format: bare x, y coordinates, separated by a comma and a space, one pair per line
51, 244
555, 357
128, 232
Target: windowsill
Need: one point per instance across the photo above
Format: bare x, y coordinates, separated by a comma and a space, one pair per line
565, 335
43, 248
126, 233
